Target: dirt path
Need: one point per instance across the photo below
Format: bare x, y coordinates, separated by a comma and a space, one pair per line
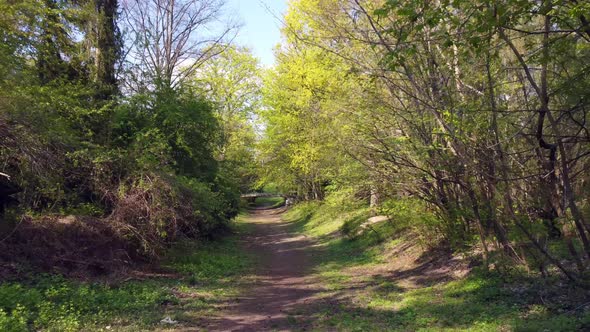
282, 281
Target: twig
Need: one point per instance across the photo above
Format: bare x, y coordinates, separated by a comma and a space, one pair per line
13, 230
578, 307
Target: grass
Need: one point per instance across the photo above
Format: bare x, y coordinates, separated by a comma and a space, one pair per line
365, 301
207, 273
269, 202
325, 223
476, 303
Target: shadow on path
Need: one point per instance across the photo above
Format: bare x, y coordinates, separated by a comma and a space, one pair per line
286, 293
282, 281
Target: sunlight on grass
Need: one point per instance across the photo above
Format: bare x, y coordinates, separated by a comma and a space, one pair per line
209, 273
480, 302
270, 202
472, 304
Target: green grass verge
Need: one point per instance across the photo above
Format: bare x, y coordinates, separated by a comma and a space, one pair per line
476, 303
269, 202
209, 273
483, 301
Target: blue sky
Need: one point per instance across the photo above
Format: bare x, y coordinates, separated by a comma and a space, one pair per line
260, 29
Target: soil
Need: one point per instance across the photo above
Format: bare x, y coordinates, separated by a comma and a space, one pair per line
284, 294
283, 279
83, 248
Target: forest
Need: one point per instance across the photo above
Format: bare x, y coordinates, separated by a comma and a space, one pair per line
413, 165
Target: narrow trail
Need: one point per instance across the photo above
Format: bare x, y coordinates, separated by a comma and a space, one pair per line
282, 280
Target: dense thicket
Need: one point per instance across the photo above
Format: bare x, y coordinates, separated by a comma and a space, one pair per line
95, 124
475, 112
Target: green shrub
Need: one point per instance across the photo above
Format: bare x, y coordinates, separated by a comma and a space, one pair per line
413, 214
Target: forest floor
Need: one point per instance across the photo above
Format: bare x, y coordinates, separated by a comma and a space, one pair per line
310, 278
283, 270
282, 281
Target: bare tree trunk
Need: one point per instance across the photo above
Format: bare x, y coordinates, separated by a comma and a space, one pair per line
569, 193
107, 47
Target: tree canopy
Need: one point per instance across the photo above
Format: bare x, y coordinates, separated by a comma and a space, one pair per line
476, 109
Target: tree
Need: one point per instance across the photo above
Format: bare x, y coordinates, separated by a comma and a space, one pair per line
73, 144
170, 39
461, 104
108, 46
300, 149
232, 81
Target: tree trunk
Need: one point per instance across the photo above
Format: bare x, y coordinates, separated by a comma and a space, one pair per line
107, 47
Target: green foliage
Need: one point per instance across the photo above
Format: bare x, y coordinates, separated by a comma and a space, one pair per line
174, 129
402, 300
299, 149
232, 82
435, 108
74, 144
216, 202
53, 303
414, 215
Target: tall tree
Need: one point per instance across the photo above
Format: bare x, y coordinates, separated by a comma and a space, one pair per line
170, 39
232, 81
462, 104
108, 46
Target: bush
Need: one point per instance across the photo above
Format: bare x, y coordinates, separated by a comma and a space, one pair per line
413, 214
15, 321
143, 169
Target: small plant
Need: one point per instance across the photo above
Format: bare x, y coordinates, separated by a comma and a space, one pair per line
413, 214
54, 303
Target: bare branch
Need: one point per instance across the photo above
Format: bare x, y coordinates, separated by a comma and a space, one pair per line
171, 38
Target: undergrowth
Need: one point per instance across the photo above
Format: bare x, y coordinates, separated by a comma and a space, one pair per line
479, 302
384, 301
200, 273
